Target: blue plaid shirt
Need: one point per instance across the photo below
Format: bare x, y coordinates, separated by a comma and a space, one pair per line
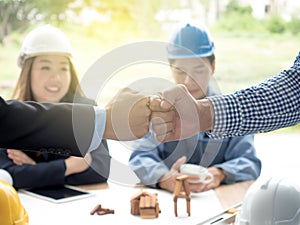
272, 104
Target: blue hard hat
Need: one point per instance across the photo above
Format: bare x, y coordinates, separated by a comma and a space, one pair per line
190, 42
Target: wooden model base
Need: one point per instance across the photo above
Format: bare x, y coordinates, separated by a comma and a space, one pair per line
182, 183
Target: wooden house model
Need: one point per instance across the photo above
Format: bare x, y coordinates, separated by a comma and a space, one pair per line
145, 205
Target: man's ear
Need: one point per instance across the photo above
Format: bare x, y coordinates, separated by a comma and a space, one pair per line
213, 66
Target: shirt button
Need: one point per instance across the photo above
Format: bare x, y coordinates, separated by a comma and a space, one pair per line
52, 150
43, 150
67, 152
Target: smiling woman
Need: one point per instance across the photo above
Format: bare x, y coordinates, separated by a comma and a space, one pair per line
48, 75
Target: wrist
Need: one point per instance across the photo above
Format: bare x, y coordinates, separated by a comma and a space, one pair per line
167, 181
108, 131
222, 174
69, 170
205, 115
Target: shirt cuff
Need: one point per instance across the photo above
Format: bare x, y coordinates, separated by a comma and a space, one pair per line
227, 116
100, 121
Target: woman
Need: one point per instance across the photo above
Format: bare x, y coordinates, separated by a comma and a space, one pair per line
48, 75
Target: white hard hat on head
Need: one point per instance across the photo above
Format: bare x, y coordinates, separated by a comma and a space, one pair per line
46, 39
272, 201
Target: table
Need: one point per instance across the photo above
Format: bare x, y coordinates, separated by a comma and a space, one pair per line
228, 195
110, 195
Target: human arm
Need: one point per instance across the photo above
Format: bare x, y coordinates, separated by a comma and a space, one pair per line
77, 164
168, 180
240, 161
73, 164
53, 172
19, 157
152, 171
270, 105
45, 127
38, 175
44, 174
98, 170
233, 160
146, 161
26, 125
157, 165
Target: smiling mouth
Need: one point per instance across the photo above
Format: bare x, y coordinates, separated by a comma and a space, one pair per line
53, 89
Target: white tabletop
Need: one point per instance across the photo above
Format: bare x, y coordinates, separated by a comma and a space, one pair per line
41, 212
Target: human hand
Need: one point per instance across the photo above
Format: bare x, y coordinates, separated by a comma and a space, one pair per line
162, 119
77, 164
19, 157
218, 176
127, 116
168, 180
179, 110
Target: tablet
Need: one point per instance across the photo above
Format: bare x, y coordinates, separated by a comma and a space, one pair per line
58, 194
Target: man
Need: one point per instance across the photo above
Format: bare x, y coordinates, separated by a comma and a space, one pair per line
270, 105
192, 61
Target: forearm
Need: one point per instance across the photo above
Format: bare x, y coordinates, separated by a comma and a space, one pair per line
148, 168
39, 175
270, 105
240, 169
240, 160
88, 176
55, 128
153, 177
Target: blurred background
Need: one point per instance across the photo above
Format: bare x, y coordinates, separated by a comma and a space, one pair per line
254, 39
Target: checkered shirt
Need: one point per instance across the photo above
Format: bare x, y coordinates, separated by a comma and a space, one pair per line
270, 105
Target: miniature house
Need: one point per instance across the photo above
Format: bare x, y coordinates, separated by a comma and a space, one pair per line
145, 205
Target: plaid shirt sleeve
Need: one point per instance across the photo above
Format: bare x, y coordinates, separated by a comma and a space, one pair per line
270, 105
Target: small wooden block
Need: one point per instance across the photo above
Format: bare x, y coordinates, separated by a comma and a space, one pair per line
105, 211
97, 207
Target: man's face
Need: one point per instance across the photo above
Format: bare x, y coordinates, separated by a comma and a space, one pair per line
194, 73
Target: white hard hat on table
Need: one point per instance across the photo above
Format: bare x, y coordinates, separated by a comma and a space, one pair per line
271, 201
5, 176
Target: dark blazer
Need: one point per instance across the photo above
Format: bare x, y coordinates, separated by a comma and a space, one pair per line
50, 168
54, 128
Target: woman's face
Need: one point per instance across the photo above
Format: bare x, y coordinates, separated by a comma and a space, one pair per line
194, 73
50, 78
